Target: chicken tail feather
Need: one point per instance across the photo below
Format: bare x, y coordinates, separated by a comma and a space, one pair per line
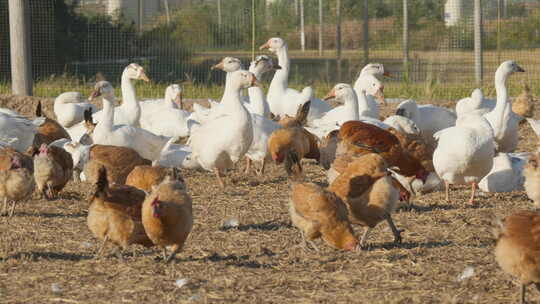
302, 113
102, 183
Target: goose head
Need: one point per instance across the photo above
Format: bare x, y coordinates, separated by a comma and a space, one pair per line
509, 67
136, 72
477, 95
340, 92
375, 69
173, 93
102, 88
263, 64
228, 64
244, 79
375, 87
273, 44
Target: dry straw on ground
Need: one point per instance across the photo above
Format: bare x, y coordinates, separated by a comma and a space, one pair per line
48, 242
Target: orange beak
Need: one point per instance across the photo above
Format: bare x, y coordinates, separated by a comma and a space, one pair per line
330, 95
144, 77
95, 94
265, 46
178, 100
218, 66
380, 96
254, 82
388, 74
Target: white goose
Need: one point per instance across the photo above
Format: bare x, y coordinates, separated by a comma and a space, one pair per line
203, 114
506, 174
503, 120
428, 118
165, 117
18, 131
464, 154
282, 99
402, 124
257, 104
147, 144
368, 82
476, 103
129, 112
334, 118
69, 108
224, 140
176, 156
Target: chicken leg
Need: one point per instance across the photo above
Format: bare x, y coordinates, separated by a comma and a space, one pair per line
367, 231
522, 293
305, 243
176, 248
100, 251
260, 172
395, 231
4, 208
12, 209
447, 191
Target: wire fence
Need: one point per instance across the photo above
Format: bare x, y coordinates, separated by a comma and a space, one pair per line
76, 42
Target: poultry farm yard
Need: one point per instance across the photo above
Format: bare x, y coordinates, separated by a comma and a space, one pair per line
47, 252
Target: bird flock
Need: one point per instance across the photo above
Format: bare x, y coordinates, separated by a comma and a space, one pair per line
132, 154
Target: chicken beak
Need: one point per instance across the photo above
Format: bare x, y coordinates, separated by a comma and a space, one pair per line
265, 46
380, 96
144, 77
218, 66
330, 95
95, 94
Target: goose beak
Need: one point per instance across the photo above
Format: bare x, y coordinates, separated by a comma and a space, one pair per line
380, 96
95, 94
277, 67
218, 66
330, 95
254, 82
388, 74
144, 77
520, 69
265, 46
178, 100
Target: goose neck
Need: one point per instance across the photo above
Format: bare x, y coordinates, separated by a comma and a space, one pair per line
107, 120
351, 104
128, 92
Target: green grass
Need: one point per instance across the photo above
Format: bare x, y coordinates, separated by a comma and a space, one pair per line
421, 91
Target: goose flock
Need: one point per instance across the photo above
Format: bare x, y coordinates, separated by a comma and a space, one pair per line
422, 148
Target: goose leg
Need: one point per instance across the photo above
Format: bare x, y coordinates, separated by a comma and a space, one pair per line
248, 165
218, 175
164, 253
447, 191
473, 192
261, 171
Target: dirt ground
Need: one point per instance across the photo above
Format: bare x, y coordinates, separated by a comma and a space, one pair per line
47, 252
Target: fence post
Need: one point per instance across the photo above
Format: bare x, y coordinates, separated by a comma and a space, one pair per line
320, 28
406, 38
19, 36
366, 32
302, 30
219, 13
253, 29
338, 38
478, 58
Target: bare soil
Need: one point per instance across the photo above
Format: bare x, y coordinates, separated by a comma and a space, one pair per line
261, 260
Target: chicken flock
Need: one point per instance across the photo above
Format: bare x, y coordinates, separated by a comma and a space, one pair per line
132, 156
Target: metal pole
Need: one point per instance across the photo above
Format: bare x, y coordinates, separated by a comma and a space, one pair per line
320, 28
499, 12
338, 38
168, 14
478, 59
219, 12
253, 28
302, 30
366, 32
406, 37
19, 36
141, 12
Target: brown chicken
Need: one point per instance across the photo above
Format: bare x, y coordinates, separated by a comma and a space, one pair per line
6, 158
415, 146
518, 248
387, 144
16, 182
293, 138
49, 131
115, 215
53, 168
523, 105
119, 162
319, 213
328, 149
369, 193
532, 178
167, 216
144, 177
